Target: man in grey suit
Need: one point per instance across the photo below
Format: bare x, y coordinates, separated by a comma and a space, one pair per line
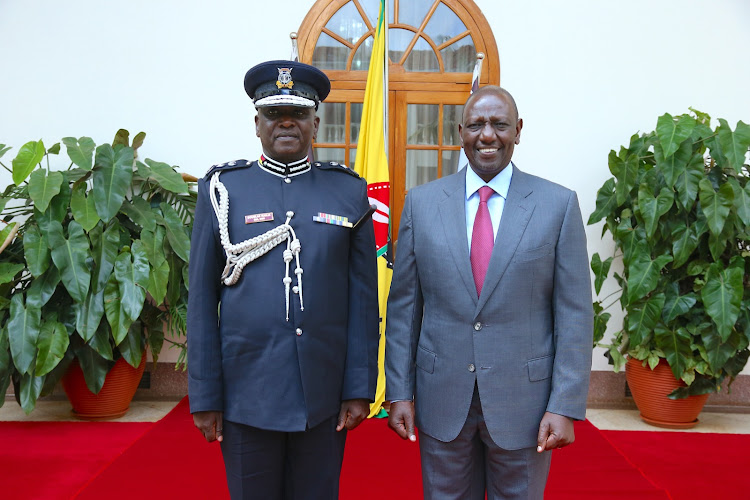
490, 321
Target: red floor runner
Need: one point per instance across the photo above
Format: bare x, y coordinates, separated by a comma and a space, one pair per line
170, 459
53, 460
690, 465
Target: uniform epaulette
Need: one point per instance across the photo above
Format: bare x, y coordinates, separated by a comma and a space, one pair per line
332, 165
230, 165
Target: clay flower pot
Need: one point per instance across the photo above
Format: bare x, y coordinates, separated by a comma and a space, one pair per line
113, 400
650, 389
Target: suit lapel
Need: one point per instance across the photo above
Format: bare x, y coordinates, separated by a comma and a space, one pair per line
453, 217
515, 218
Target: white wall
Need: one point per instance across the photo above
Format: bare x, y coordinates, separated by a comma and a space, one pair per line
586, 75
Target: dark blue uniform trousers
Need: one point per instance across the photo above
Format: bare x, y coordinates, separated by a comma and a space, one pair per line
273, 465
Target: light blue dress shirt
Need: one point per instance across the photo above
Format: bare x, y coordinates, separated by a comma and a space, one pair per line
500, 184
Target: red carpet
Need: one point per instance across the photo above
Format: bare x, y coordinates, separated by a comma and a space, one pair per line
170, 460
53, 460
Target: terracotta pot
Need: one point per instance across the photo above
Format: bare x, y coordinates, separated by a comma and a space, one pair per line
113, 401
650, 389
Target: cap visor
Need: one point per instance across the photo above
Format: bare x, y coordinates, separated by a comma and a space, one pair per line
284, 100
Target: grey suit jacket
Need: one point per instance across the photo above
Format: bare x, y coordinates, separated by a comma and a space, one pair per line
526, 340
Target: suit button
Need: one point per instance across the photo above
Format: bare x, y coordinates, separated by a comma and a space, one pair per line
299, 332
477, 326
472, 368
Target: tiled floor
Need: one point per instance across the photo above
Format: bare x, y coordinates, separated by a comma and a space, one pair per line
151, 411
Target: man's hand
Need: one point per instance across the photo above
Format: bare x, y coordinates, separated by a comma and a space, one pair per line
555, 431
352, 413
401, 419
210, 424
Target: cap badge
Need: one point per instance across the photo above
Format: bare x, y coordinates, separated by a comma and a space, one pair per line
285, 78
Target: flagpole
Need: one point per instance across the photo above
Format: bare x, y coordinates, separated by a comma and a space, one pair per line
386, 69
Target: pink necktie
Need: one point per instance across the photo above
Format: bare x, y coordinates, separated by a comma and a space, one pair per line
482, 239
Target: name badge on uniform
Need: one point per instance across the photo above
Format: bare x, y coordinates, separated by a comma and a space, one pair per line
337, 220
264, 217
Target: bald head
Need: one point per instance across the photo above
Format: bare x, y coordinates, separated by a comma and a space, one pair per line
494, 90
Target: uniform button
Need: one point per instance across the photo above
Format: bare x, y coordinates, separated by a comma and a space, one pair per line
299, 332
287, 180
472, 368
295, 289
477, 326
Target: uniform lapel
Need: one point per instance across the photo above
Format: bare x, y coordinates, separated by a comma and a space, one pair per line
516, 214
453, 217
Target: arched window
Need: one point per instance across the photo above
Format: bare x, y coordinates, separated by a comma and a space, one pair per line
432, 47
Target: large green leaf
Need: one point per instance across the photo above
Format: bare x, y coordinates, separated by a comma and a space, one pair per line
675, 304
716, 204
673, 166
734, 145
43, 187
23, 332
52, 344
105, 252
652, 208
70, 255
42, 288
90, 314
626, 174
718, 351
36, 251
122, 137
83, 208
684, 243
157, 282
153, 244
80, 151
131, 271
643, 275
687, 182
722, 296
643, 318
741, 200
5, 362
672, 132
26, 160
601, 270
176, 234
605, 201
116, 316
138, 140
675, 344
8, 271
94, 368
100, 342
140, 212
57, 210
113, 172
167, 177
31, 388
632, 241
131, 347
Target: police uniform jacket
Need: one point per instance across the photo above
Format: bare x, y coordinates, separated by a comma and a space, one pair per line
244, 357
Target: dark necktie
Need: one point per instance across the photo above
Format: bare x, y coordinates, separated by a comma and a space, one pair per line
482, 239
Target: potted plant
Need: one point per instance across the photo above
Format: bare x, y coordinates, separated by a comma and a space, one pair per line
678, 208
94, 267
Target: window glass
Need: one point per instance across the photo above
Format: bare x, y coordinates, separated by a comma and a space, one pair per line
413, 13
348, 23
460, 56
422, 124
451, 119
332, 122
356, 119
444, 25
330, 154
398, 40
330, 53
361, 60
422, 58
421, 167
450, 162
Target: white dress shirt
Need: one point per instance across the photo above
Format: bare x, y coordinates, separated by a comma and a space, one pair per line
499, 184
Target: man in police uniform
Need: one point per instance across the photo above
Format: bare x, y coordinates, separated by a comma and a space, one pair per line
278, 371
